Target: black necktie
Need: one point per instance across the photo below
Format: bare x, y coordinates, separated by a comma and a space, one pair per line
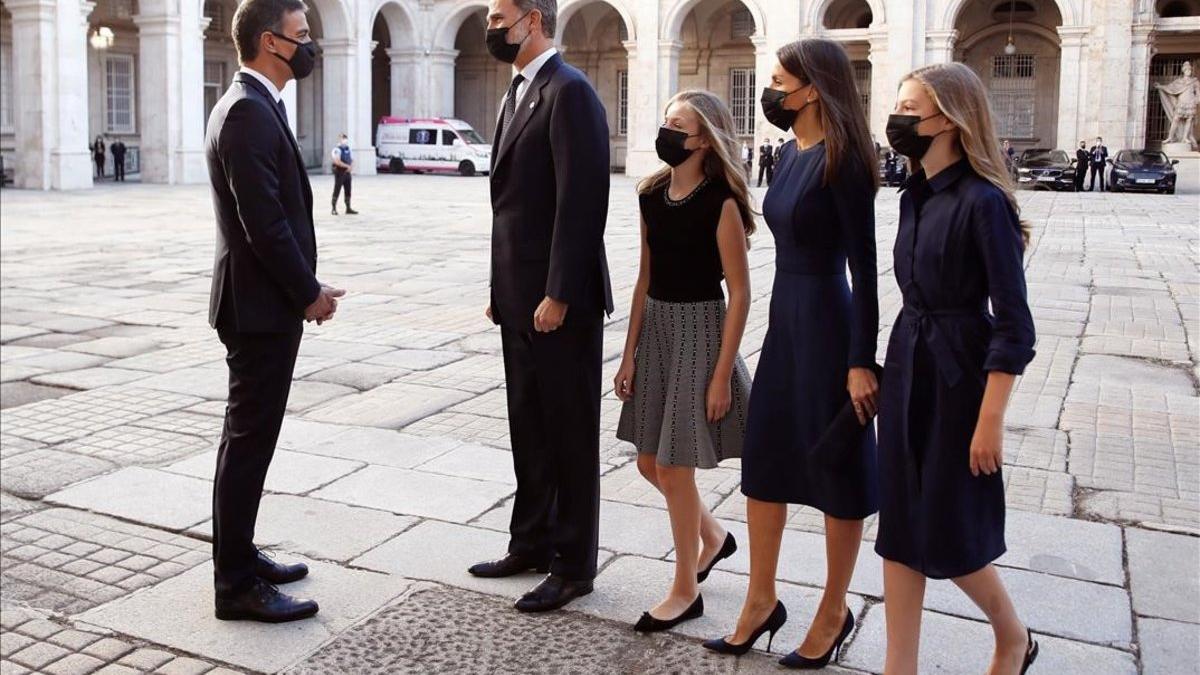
510, 104
282, 109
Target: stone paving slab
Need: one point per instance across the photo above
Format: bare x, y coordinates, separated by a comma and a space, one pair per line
37, 473
317, 528
1169, 646
1160, 588
474, 461
382, 447
416, 493
954, 645
84, 413
150, 496
291, 472
390, 406
69, 560
345, 596
89, 378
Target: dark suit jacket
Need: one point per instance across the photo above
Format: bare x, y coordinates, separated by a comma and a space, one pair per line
1082, 157
265, 269
766, 155
549, 185
1103, 154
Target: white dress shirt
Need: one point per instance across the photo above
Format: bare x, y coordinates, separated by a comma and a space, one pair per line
266, 81
531, 69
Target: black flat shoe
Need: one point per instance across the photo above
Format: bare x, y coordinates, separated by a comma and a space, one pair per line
508, 566
1031, 652
650, 624
351, 212
263, 602
797, 661
553, 593
278, 573
772, 625
727, 549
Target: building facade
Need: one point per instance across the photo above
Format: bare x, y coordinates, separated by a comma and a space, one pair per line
148, 71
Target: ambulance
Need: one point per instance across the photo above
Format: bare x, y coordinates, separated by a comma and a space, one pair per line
428, 144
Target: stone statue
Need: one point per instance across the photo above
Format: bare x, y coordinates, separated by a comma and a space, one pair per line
1179, 99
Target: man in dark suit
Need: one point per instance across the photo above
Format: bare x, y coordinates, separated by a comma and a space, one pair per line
766, 162
264, 287
1082, 157
118, 153
549, 293
1099, 156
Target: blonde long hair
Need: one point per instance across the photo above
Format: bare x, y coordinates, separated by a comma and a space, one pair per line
960, 95
723, 158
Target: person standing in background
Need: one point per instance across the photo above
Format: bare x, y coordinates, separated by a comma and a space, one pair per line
1081, 165
766, 162
118, 154
343, 165
1099, 155
98, 156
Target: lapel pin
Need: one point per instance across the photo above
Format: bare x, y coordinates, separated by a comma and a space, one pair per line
531, 104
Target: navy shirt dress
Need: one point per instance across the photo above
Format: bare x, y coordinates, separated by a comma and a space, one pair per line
817, 330
958, 246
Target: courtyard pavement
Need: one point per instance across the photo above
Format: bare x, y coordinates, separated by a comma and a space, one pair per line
394, 469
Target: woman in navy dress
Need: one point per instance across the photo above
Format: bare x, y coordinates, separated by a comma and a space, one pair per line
951, 364
819, 352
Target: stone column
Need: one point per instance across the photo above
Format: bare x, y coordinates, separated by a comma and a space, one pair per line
1072, 83
939, 46
338, 95
440, 84
764, 63
1141, 51
360, 122
49, 73
405, 67
643, 124
883, 83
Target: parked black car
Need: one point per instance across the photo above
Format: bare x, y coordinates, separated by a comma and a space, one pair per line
1045, 168
1142, 170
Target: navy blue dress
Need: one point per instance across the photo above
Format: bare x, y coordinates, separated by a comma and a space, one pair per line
817, 330
958, 246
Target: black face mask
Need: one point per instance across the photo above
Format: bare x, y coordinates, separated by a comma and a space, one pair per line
902, 135
303, 60
773, 110
669, 146
498, 45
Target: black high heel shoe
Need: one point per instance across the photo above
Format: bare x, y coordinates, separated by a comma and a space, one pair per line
773, 623
1031, 652
650, 624
800, 662
727, 549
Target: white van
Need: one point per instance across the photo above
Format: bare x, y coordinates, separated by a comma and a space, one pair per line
430, 144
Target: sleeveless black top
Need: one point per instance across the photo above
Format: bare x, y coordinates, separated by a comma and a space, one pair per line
685, 262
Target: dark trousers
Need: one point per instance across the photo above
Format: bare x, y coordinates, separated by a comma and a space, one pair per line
118, 168
260, 376
341, 179
1080, 173
554, 420
765, 170
1097, 169
99, 159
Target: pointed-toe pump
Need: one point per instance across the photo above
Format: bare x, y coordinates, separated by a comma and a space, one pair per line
727, 549
796, 661
650, 624
772, 625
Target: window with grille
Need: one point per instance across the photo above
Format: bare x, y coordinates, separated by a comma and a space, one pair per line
1014, 94
622, 31
741, 24
862, 80
622, 102
1163, 69
214, 85
741, 100
6, 88
118, 94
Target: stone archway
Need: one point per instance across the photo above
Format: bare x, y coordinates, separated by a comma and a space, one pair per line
595, 38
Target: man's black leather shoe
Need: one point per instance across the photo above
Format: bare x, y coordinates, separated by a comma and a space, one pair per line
263, 602
277, 572
508, 566
553, 593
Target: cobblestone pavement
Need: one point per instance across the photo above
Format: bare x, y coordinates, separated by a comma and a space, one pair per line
394, 469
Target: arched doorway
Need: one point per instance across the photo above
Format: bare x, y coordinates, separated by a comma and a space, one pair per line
310, 101
717, 53
394, 61
1022, 80
848, 22
220, 54
8, 107
479, 80
593, 40
113, 81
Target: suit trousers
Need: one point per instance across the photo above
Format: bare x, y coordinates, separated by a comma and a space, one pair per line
260, 377
553, 382
341, 179
1097, 170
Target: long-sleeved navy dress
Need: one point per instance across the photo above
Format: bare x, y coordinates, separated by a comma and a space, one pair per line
958, 246
817, 330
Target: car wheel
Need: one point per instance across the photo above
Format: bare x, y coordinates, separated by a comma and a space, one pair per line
466, 168
396, 165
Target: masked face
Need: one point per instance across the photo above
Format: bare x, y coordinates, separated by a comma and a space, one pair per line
902, 134
773, 109
671, 146
499, 46
303, 58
